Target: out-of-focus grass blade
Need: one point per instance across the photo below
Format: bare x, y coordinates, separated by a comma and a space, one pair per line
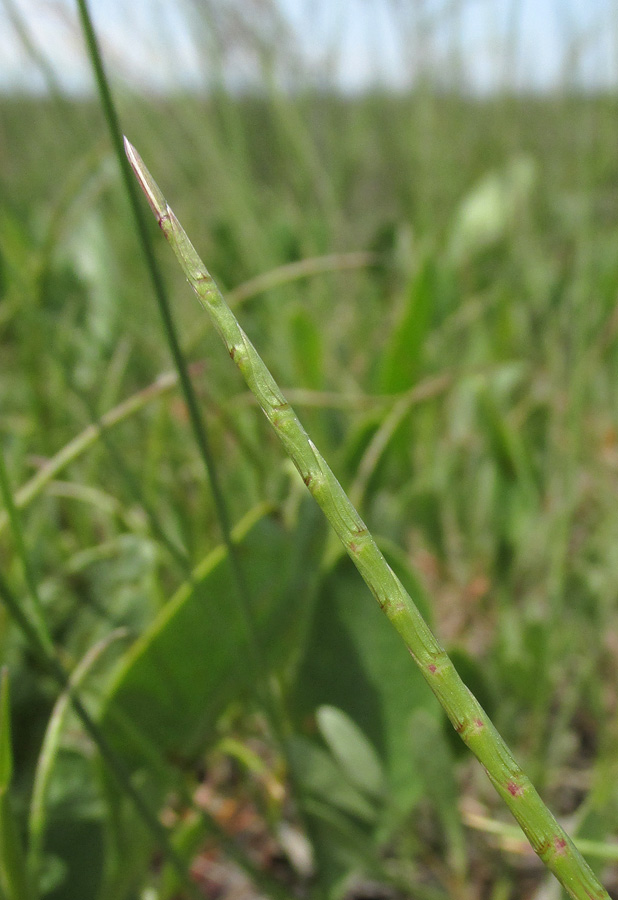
14, 881
51, 745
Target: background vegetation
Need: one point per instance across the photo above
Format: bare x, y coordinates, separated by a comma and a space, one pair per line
451, 345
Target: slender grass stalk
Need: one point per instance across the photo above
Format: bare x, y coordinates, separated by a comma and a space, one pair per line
547, 838
302, 268
198, 424
197, 421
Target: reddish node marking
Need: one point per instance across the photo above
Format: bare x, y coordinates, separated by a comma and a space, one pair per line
514, 789
164, 217
479, 724
432, 668
560, 846
307, 479
353, 547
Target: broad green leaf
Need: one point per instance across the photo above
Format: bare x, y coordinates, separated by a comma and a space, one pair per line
354, 753
356, 661
193, 662
195, 659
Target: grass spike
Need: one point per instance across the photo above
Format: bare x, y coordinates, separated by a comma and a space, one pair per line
548, 839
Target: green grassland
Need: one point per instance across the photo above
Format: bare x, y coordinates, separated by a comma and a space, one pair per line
451, 345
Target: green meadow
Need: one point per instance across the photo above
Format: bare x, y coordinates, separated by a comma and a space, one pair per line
432, 279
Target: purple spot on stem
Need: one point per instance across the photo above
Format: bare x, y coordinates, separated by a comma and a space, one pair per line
514, 789
432, 668
560, 846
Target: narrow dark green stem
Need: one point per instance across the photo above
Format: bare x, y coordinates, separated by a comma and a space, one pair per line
273, 707
111, 116
195, 416
57, 672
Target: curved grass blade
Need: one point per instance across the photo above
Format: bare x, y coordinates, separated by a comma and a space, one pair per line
80, 443
548, 839
51, 746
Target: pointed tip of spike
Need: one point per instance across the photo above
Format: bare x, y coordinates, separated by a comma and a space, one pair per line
147, 183
136, 161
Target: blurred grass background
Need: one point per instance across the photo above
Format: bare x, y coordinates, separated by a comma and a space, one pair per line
458, 371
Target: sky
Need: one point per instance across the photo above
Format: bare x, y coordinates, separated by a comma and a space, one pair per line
156, 46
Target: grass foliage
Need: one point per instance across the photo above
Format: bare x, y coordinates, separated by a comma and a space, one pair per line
459, 376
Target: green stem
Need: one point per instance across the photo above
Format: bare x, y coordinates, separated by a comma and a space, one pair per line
547, 838
197, 421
